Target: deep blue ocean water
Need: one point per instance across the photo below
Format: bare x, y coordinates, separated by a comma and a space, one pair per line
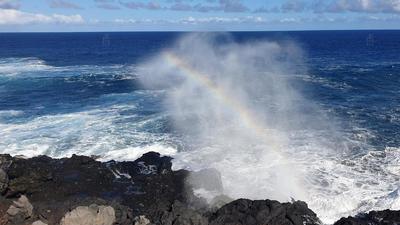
66, 93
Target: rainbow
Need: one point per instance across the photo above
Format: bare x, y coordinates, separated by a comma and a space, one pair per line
248, 118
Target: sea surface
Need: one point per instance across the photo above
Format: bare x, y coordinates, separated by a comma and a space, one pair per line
337, 107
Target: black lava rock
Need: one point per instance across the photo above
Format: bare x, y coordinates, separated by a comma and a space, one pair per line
146, 188
385, 217
262, 212
56, 186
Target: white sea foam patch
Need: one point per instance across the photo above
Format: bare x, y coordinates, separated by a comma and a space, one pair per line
15, 66
132, 153
10, 113
339, 186
112, 131
34, 67
323, 81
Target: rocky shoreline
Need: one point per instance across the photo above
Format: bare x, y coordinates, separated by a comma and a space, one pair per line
82, 191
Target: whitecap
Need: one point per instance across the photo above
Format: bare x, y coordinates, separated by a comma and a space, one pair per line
15, 66
10, 113
35, 67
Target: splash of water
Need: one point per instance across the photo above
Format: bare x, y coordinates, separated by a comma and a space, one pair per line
230, 101
236, 109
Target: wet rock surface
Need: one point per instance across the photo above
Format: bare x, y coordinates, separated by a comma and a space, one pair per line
81, 190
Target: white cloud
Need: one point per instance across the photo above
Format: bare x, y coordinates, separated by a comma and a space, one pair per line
369, 6
76, 19
336, 6
290, 20
16, 17
247, 19
193, 21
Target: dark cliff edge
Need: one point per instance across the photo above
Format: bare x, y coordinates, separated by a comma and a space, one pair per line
80, 190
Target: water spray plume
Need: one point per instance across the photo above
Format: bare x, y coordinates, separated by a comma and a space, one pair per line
230, 102
247, 117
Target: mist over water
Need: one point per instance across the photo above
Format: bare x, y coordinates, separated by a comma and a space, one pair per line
238, 109
214, 84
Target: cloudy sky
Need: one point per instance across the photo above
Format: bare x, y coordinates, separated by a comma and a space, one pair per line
145, 15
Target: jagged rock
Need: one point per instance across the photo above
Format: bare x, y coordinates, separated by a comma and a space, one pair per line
27, 177
180, 214
3, 181
20, 211
141, 220
260, 212
145, 187
93, 215
5, 161
386, 217
39, 222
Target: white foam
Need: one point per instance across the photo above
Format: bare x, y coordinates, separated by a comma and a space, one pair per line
208, 195
10, 113
132, 153
119, 175
335, 186
29, 149
339, 188
105, 131
14, 66
34, 67
323, 81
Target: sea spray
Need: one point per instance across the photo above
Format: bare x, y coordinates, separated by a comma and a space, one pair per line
238, 109
233, 103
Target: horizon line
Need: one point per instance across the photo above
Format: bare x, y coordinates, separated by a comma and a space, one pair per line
196, 31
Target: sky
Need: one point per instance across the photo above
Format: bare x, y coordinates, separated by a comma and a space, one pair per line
196, 15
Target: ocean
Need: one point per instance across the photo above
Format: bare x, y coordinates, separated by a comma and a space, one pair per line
308, 115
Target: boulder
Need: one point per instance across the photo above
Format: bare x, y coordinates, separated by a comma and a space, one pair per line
93, 215
20, 211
